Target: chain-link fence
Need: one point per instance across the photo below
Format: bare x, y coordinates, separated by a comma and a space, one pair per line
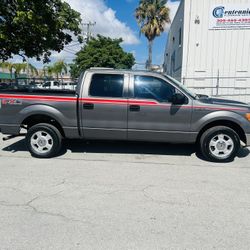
237, 88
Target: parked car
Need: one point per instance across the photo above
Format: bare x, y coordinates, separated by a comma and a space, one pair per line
4, 85
69, 85
126, 105
51, 85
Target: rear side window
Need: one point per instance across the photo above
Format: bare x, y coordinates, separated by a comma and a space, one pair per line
104, 85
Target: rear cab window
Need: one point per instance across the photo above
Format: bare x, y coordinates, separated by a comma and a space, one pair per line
107, 85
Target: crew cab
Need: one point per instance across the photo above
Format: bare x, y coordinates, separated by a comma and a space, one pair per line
125, 105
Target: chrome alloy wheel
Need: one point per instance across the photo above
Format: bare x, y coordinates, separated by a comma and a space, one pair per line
221, 146
41, 142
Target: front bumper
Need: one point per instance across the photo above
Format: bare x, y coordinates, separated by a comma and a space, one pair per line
248, 139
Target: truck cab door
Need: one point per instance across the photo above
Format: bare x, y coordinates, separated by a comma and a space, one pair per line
151, 114
104, 106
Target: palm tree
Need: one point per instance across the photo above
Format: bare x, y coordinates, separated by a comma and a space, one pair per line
19, 67
25, 67
152, 16
58, 68
31, 68
50, 70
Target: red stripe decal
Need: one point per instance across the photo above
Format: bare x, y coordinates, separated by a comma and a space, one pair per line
118, 101
112, 101
40, 98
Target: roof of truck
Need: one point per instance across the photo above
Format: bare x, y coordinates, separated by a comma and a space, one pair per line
96, 69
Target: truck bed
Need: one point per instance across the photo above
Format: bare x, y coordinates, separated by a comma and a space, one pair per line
36, 91
20, 103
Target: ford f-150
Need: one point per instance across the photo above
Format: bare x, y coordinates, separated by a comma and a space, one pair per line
125, 105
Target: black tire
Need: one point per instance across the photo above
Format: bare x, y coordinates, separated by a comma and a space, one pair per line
48, 144
227, 136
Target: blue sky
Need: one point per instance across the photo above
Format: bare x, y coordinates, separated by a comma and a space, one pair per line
125, 13
114, 18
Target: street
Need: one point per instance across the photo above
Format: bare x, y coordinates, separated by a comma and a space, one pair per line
107, 195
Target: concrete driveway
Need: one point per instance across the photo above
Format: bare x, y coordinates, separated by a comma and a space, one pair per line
104, 195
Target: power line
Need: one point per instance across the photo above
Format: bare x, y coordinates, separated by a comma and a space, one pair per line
72, 45
68, 51
71, 50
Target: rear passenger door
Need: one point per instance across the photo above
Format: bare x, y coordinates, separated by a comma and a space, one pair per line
104, 107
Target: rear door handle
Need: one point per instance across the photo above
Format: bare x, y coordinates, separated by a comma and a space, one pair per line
134, 108
88, 105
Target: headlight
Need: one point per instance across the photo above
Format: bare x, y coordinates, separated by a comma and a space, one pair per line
247, 115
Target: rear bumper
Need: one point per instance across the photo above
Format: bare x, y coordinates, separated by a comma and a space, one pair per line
248, 139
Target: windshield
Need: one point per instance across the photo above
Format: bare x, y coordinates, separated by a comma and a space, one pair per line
181, 86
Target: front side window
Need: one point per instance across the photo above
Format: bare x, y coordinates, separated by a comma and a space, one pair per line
106, 85
147, 87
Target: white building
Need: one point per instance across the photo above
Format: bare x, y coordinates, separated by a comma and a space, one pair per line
208, 48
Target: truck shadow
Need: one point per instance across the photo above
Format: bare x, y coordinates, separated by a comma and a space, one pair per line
111, 147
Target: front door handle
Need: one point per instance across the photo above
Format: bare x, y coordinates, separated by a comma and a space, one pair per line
88, 105
134, 108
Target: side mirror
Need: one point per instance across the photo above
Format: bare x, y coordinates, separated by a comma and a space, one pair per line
178, 99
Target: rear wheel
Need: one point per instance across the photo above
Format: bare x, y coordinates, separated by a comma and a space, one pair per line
220, 144
43, 140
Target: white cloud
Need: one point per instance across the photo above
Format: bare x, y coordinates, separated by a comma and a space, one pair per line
107, 23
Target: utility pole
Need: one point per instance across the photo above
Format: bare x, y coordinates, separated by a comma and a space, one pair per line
89, 24
28, 68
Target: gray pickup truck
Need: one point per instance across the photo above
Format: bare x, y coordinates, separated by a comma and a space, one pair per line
125, 105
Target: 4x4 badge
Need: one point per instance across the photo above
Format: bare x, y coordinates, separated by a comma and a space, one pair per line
11, 102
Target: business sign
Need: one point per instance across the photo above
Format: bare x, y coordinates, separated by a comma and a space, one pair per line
229, 16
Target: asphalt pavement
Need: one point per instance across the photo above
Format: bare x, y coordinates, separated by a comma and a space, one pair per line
107, 195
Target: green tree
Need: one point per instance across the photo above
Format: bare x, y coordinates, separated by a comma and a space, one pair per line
102, 52
152, 16
33, 28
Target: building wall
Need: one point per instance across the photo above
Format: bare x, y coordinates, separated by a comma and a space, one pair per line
214, 62
174, 50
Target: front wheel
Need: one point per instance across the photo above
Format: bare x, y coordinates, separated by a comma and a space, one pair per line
43, 140
220, 144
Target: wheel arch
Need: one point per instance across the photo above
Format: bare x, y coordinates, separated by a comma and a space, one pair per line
35, 119
227, 123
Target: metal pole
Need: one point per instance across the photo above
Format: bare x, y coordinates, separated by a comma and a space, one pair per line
89, 24
218, 83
